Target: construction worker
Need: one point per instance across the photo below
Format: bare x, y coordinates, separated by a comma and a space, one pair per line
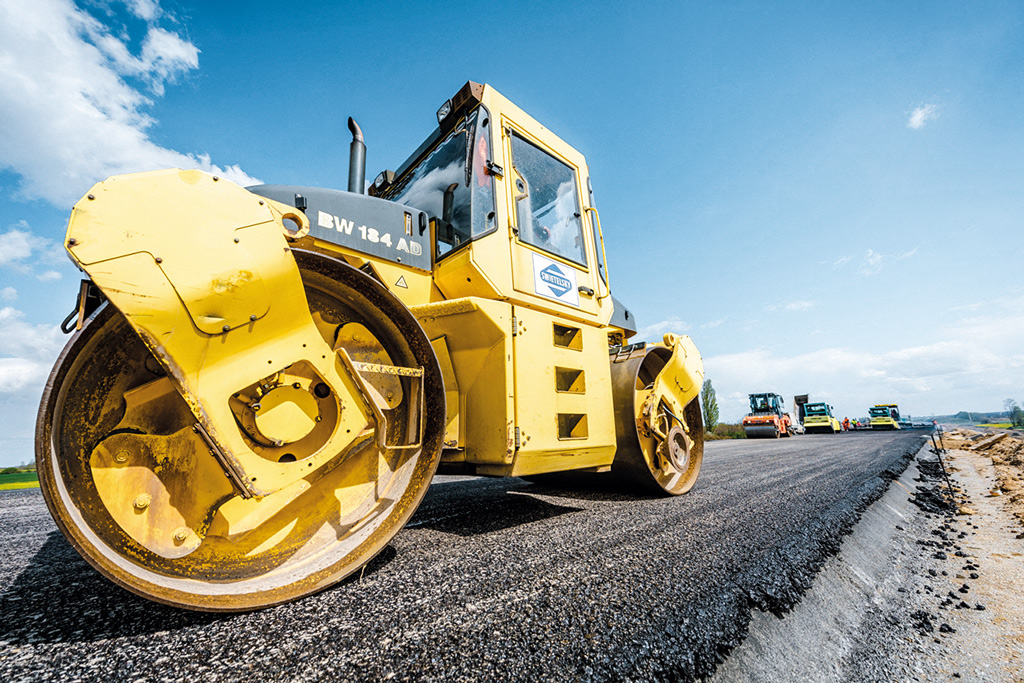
846, 424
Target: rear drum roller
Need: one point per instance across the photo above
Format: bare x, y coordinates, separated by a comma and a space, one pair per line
664, 466
119, 460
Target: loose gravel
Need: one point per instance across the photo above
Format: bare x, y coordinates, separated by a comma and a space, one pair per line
492, 580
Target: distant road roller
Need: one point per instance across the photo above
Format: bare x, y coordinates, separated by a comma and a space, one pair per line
819, 418
767, 418
263, 381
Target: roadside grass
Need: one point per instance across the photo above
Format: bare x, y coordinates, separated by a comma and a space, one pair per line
725, 431
19, 480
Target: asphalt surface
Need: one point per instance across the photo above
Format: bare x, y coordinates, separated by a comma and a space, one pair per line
492, 580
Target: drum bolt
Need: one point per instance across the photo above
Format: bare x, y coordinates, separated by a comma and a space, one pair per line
181, 534
142, 501
390, 396
121, 456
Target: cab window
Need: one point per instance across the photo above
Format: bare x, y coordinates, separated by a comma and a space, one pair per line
460, 160
546, 202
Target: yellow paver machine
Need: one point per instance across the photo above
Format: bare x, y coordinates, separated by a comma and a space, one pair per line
264, 380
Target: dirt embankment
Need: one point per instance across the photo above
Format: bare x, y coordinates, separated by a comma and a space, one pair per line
1006, 451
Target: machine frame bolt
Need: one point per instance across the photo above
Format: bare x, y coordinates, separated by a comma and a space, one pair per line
121, 456
159, 259
90, 196
72, 242
181, 534
252, 317
226, 328
142, 501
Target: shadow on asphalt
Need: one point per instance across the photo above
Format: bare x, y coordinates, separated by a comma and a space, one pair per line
485, 512
587, 486
59, 598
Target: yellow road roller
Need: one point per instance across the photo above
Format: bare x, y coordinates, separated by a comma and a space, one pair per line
263, 381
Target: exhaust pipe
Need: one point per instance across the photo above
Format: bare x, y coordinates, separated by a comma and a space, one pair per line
356, 159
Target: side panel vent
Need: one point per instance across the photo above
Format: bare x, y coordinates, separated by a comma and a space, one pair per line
570, 381
568, 337
572, 426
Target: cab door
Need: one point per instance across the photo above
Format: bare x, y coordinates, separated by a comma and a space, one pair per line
552, 255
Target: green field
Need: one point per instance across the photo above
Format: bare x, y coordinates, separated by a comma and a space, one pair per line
19, 480
996, 425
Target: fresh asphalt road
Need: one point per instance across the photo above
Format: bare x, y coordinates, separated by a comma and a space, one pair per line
494, 579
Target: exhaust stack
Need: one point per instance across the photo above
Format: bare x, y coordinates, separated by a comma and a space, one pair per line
356, 159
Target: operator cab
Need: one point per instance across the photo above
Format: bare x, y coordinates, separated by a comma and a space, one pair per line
890, 412
512, 212
812, 409
766, 404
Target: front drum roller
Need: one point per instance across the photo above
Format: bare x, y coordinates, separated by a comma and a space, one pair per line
132, 485
644, 460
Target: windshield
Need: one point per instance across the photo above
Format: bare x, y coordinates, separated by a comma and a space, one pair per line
814, 409
762, 403
459, 162
879, 412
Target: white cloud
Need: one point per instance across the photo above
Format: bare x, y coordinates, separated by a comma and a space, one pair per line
922, 115
26, 351
713, 323
840, 262
873, 260
69, 114
19, 374
978, 361
872, 263
147, 10
792, 306
15, 246
656, 331
26, 253
8, 294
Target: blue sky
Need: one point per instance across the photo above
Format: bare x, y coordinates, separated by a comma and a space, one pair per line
825, 196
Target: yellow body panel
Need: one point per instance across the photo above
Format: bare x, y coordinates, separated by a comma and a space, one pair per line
478, 338
822, 421
563, 406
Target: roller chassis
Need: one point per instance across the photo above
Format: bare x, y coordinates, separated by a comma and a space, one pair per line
247, 423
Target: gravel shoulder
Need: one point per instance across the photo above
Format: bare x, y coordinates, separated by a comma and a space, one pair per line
915, 594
